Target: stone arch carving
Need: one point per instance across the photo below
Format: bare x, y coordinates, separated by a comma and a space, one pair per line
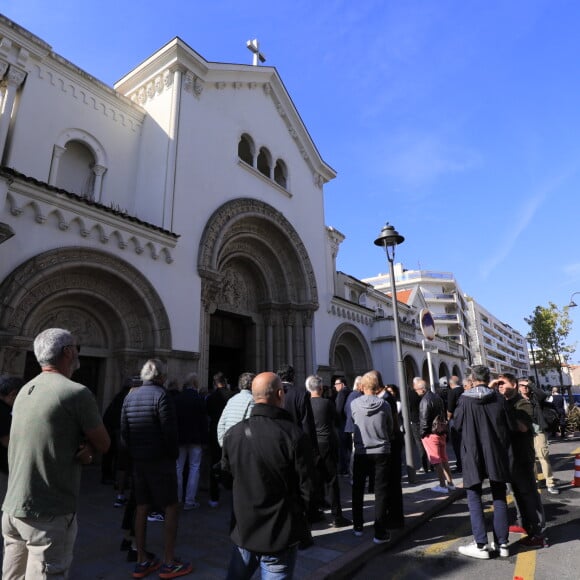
349, 346
88, 281
112, 308
237, 228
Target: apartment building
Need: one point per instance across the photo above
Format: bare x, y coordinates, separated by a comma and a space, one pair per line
494, 343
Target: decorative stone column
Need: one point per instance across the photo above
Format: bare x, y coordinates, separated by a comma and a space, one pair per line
289, 321
308, 355
268, 324
99, 171
11, 83
57, 153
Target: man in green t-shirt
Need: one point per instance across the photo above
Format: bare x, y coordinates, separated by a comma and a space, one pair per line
56, 428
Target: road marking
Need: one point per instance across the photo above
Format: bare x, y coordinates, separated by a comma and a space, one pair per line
526, 565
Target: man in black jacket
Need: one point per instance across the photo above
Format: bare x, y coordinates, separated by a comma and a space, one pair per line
483, 418
344, 438
270, 460
149, 430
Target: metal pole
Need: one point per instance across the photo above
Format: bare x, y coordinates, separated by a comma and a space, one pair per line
534, 361
409, 449
431, 376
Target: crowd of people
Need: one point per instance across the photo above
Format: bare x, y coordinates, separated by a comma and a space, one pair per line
280, 447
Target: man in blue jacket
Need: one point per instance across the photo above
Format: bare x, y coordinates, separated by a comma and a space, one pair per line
149, 430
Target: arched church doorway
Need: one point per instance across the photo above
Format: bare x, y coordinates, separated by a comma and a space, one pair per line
257, 278
231, 346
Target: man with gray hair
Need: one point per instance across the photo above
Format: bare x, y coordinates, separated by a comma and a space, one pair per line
56, 428
149, 429
238, 408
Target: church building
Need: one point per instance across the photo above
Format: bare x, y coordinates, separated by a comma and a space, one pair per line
178, 215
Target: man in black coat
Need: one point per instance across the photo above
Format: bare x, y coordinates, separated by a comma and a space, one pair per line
522, 462
270, 460
297, 403
485, 424
344, 438
414, 402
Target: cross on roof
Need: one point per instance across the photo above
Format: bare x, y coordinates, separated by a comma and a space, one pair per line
254, 46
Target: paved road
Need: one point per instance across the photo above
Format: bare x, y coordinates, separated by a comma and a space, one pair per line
431, 552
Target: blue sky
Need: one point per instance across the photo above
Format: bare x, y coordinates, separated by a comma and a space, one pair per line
456, 121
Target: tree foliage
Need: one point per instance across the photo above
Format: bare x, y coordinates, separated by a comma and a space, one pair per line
549, 329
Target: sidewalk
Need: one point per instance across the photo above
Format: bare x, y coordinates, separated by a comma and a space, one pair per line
203, 533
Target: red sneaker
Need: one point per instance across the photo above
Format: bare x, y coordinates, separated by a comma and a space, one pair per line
517, 530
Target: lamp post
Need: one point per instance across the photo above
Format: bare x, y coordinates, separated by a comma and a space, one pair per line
530, 340
389, 239
572, 303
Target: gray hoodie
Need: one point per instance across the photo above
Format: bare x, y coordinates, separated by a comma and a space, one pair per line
373, 425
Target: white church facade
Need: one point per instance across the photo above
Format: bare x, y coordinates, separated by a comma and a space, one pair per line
179, 215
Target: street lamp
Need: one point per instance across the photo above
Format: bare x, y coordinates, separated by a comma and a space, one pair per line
389, 239
572, 303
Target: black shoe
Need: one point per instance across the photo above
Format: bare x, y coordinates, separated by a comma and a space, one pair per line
132, 555
125, 544
341, 522
305, 544
316, 516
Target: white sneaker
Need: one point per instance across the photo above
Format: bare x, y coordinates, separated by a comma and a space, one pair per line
356, 532
474, 552
503, 550
451, 487
213, 504
440, 489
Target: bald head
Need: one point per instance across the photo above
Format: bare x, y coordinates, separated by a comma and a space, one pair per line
267, 388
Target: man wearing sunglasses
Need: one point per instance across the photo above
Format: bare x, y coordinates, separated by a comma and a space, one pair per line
56, 428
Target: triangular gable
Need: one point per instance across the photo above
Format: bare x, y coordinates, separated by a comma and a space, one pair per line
198, 73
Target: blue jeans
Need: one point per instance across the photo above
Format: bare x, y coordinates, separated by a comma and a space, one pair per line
500, 519
278, 566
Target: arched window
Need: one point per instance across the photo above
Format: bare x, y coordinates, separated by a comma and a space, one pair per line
265, 162
75, 171
246, 149
281, 174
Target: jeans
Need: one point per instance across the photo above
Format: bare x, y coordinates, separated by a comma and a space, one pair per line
193, 454
364, 465
38, 548
455, 437
500, 519
279, 566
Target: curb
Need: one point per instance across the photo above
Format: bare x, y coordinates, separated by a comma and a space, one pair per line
342, 567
